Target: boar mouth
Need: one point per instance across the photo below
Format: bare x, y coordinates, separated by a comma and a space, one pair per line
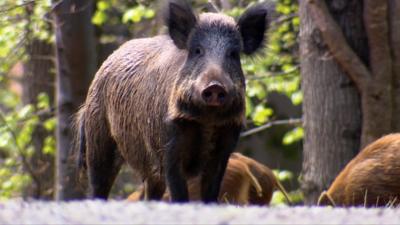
190, 109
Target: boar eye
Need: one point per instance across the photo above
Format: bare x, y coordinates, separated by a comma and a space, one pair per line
198, 51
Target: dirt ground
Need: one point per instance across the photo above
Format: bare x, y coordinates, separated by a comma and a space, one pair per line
120, 212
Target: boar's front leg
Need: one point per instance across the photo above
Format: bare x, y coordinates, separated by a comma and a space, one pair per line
215, 168
182, 135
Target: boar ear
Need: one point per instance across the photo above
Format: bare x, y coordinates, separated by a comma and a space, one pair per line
252, 25
180, 20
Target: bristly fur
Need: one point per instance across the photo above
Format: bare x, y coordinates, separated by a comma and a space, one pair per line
371, 179
146, 106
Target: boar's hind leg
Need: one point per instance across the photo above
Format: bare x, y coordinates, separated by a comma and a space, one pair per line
154, 188
104, 162
215, 168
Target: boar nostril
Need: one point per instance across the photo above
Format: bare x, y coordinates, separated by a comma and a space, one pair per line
221, 96
214, 95
207, 94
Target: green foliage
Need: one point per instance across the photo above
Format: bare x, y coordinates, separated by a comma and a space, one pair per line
294, 135
277, 68
126, 12
17, 19
16, 149
278, 198
100, 16
137, 13
21, 21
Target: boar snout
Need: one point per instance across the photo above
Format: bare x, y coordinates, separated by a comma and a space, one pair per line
215, 87
215, 94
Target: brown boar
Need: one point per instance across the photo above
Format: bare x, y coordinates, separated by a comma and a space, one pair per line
171, 106
372, 178
245, 181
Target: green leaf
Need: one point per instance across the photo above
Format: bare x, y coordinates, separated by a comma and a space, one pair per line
296, 21
25, 111
149, 13
5, 139
297, 98
7, 185
9, 162
249, 106
294, 135
278, 198
49, 145
99, 18
4, 172
25, 135
285, 175
50, 124
43, 101
261, 114
103, 5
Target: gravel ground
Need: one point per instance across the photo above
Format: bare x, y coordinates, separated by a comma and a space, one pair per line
119, 212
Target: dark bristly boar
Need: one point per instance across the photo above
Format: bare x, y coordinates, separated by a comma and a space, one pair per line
371, 179
245, 182
171, 106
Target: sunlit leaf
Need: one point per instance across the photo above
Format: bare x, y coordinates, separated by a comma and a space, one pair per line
25, 111
293, 136
50, 124
43, 101
261, 114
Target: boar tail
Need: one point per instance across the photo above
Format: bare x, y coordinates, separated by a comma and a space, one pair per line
80, 141
82, 146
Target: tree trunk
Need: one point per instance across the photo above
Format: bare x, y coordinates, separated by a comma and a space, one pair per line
38, 78
394, 24
376, 91
331, 105
76, 65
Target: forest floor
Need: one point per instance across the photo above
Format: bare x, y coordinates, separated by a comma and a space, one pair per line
120, 212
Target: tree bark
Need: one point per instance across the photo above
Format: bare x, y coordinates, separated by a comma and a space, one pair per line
331, 103
38, 78
394, 24
76, 65
377, 93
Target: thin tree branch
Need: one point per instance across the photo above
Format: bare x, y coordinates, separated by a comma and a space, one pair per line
337, 44
41, 113
377, 28
270, 124
274, 74
212, 7
10, 8
281, 19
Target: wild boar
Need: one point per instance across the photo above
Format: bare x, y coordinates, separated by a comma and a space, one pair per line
371, 179
245, 182
171, 106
